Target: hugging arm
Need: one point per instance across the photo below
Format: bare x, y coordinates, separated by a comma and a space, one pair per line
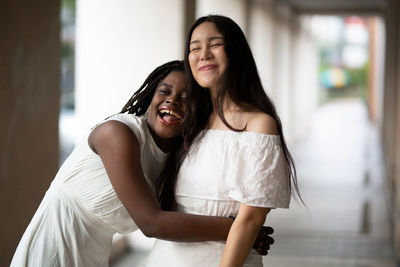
119, 150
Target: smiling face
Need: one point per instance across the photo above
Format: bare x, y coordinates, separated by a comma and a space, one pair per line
167, 107
207, 57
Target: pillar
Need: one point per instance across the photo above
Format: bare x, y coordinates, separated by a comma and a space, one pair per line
29, 102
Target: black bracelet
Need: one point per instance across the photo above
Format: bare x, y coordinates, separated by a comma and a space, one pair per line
232, 217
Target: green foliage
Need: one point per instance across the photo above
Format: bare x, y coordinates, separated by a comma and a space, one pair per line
70, 5
359, 76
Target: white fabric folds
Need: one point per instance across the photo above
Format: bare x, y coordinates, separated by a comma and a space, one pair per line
80, 212
222, 170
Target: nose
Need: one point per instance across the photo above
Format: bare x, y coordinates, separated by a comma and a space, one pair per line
172, 100
205, 53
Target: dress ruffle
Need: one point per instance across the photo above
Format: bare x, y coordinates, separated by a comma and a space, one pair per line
246, 167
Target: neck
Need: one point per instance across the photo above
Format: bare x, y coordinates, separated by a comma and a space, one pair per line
166, 145
227, 104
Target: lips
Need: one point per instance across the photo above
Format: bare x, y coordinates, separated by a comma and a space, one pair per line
207, 67
169, 116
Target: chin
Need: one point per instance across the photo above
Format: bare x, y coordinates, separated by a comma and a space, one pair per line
207, 83
168, 133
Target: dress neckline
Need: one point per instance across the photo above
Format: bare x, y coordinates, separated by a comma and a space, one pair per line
227, 132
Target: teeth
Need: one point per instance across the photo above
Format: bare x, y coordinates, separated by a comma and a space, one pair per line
167, 111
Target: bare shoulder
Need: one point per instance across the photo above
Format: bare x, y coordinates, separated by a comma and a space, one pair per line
261, 122
110, 133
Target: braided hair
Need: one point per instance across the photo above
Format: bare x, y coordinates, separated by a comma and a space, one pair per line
141, 99
138, 105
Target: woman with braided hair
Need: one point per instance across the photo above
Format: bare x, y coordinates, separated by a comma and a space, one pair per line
108, 184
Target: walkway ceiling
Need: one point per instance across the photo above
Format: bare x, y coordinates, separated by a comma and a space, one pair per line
338, 6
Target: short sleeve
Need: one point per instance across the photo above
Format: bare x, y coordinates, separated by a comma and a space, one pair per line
260, 177
133, 122
226, 166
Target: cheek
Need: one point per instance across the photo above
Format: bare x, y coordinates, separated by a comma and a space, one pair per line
192, 64
151, 114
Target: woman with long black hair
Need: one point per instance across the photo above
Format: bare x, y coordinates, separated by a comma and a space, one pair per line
234, 161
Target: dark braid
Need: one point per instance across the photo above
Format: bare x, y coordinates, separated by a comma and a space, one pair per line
141, 99
138, 105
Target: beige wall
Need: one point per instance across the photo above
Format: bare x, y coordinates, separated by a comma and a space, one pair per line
29, 99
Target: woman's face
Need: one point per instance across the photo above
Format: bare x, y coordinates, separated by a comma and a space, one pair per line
207, 57
168, 106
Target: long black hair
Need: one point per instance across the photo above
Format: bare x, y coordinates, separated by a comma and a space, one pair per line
240, 82
138, 105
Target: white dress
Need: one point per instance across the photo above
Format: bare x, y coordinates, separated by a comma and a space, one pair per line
80, 212
222, 170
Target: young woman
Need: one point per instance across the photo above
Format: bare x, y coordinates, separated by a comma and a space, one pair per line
234, 161
107, 184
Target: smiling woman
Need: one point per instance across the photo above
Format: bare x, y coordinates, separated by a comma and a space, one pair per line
207, 43
167, 107
234, 161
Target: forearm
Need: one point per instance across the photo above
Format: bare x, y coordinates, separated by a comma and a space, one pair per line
242, 235
177, 226
239, 243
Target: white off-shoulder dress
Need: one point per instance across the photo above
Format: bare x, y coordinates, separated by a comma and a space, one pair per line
80, 212
222, 170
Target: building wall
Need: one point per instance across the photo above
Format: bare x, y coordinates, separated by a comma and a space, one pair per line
304, 85
260, 37
29, 103
391, 117
235, 9
118, 44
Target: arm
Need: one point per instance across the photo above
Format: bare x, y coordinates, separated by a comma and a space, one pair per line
119, 150
242, 235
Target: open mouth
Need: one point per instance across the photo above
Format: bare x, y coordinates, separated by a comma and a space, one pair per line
169, 117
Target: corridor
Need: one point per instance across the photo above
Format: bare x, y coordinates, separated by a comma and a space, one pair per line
340, 172
346, 220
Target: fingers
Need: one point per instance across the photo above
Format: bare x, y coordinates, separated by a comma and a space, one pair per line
263, 249
269, 240
263, 240
267, 230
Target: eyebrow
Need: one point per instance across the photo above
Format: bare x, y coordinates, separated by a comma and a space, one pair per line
166, 84
209, 39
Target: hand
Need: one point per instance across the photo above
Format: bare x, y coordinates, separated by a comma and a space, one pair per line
263, 240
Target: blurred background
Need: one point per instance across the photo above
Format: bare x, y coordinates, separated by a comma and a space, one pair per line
332, 67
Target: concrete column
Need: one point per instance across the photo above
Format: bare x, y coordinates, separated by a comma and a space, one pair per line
29, 103
281, 62
304, 87
190, 17
261, 39
396, 123
118, 44
391, 68
391, 124
234, 9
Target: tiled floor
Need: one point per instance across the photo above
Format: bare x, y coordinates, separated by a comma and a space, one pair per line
345, 222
